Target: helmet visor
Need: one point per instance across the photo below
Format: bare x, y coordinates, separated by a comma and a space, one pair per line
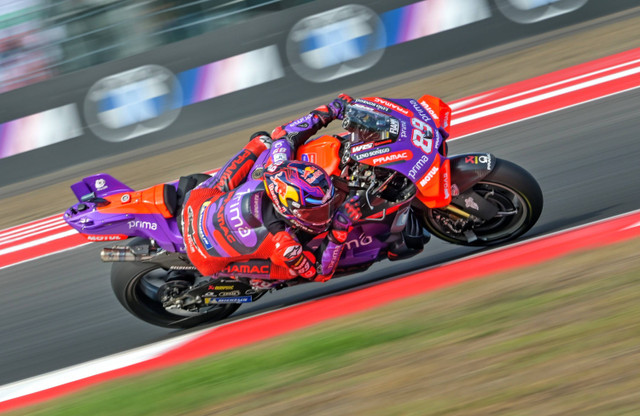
316, 216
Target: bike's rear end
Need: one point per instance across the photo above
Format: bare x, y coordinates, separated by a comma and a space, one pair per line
108, 210
151, 266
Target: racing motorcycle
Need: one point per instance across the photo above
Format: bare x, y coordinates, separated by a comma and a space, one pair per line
393, 152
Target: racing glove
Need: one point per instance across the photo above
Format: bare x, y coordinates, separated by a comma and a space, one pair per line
298, 131
289, 252
348, 213
339, 106
303, 265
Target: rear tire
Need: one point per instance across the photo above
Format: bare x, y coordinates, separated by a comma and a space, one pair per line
127, 279
513, 190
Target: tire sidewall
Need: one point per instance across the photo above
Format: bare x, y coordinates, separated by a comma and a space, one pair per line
519, 181
125, 277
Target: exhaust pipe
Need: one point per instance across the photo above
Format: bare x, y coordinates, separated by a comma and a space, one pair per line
120, 254
144, 253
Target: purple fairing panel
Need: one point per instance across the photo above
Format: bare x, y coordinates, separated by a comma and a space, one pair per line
329, 258
362, 245
86, 219
100, 185
412, 154
165, 232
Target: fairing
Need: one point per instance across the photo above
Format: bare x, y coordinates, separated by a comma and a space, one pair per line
415, 152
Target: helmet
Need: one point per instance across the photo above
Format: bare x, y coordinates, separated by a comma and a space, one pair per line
302, 193
368, 125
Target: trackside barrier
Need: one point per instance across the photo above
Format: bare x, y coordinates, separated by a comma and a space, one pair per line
251, 67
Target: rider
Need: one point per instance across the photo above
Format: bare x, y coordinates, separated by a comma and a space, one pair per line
297, 203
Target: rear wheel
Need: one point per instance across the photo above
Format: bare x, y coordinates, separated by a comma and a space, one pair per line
512, 190
138, 286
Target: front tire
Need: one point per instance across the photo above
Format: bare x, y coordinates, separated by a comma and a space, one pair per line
513, 190
133, 282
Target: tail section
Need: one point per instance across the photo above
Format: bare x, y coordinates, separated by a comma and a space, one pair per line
109, 210
98, 186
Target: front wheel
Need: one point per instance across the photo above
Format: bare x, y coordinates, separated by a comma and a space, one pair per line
136, 285
512, 190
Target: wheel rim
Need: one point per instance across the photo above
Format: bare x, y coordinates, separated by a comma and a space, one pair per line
145, 289
511, 221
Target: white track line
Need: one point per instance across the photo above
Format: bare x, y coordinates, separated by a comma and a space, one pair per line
37, 242
545, 87
545, 96
92, 368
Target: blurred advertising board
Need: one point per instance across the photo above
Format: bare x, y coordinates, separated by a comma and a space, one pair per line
252, 67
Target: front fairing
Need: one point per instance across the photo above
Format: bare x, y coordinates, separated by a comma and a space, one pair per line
408, 154
416, 153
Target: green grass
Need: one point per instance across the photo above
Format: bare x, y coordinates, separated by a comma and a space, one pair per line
562, 338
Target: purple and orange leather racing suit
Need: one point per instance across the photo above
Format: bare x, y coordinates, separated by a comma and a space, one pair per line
215, 211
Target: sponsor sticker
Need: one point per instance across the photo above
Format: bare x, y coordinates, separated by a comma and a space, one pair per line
360, 101
229, 287
237, 221
482, 159
447, 185
311, 174
201, 226
421, 163
393, 106
143, 225
247, 268
361, 147
429, 110
390, 158
429, 175
100, 184
110, 237
371, 153
394, 127
309, 157
362, 241
233, 299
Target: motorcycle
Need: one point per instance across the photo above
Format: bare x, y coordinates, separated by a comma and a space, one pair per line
412, 188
